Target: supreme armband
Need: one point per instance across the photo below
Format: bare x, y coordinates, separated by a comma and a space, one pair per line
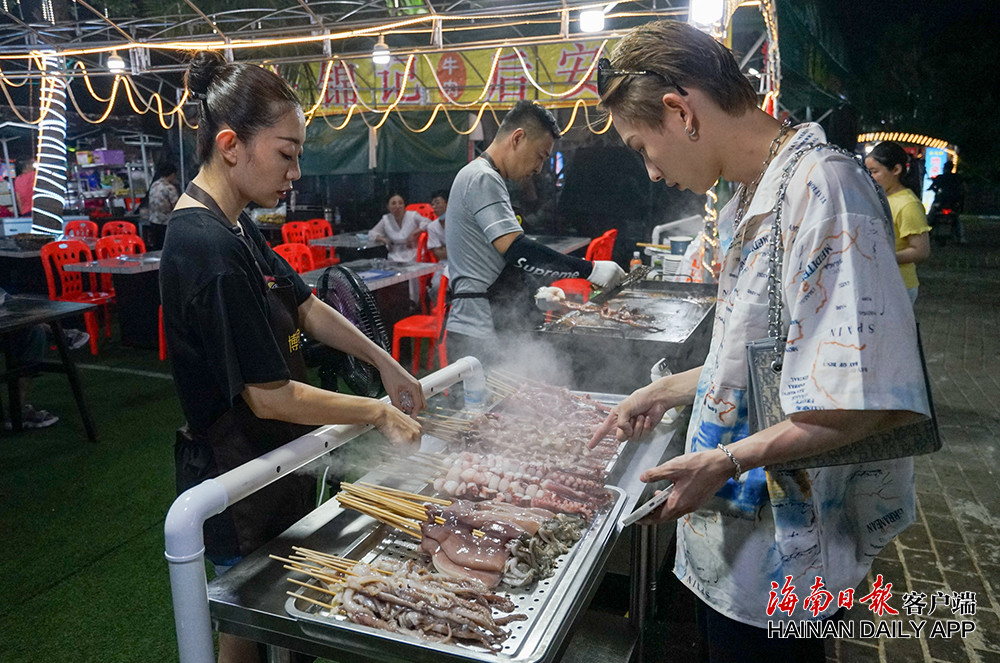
542, 262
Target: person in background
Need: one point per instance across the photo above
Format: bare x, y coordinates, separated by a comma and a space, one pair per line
24, 186
27, 348
234, 313
851, 365
435, 229
890, 166
160, 200
488, 253
949, 193
399, 229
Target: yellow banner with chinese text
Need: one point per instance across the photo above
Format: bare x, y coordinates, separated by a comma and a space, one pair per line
554, 74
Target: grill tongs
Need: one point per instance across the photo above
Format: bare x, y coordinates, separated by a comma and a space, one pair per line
637, 274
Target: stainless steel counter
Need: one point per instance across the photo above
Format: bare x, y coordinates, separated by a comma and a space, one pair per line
250, 600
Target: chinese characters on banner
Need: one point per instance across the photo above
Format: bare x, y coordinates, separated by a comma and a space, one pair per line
462, 76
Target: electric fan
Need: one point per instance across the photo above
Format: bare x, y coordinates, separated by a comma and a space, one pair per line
346, 292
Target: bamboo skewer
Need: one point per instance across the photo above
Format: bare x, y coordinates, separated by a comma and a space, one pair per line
324, 590
306, 598
333, 559
408, 495
379, 513
401, 509
313, 574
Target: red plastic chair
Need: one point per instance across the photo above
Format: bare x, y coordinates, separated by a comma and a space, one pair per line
113, 246
600, 248
118, 228
55, 256
80, 229
424, 255
297, 255
423, 209
323, 256
424, 326
295, 232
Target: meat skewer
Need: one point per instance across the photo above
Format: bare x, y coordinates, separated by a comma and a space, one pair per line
489, 542
402, 597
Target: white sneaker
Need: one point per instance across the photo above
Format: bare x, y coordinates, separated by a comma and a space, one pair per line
75, 338
32, 418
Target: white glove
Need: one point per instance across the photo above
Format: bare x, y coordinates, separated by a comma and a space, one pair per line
549, 298
606, 274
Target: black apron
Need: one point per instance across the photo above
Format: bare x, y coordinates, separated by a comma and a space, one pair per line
238, 436
511, 295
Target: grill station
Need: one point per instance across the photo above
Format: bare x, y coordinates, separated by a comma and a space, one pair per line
674, 323
255, 600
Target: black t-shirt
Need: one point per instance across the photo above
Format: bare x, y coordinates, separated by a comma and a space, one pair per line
215, 311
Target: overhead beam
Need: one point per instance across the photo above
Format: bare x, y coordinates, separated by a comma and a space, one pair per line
207, 19
107, 20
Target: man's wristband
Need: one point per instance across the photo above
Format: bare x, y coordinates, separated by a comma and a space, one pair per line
739, 468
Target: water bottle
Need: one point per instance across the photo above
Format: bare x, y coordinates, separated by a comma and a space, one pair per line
336, 215
661, 370
635, 262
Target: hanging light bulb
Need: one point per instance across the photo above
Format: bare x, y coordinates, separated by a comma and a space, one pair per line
380, 54
592, 20
116, 64
706, 13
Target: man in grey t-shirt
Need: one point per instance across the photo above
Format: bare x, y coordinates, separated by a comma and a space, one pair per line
484, 237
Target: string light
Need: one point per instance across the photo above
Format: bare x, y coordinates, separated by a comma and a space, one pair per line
155, 103
49, 197
572, 90
902, 137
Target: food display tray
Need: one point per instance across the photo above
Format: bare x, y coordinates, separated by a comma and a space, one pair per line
550, 604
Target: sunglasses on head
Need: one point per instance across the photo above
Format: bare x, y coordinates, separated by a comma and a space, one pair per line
605, 73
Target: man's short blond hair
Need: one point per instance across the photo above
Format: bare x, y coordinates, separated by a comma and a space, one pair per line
682, 55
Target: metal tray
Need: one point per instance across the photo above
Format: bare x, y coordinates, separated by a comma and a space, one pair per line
551, 604
676, 317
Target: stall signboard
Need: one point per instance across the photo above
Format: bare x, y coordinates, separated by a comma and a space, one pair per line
457, 78
934, 162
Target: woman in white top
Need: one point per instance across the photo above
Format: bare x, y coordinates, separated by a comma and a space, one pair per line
399, 230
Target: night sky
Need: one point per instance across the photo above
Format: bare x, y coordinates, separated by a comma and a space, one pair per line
928, 67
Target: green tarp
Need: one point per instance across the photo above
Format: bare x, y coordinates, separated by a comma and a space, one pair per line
440, 149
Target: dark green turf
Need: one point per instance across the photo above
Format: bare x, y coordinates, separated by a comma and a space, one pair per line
81, 558
82, 573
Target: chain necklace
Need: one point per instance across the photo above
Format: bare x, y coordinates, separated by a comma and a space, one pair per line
747, 192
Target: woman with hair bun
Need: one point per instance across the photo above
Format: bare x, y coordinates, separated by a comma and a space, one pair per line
234, 313
890, 166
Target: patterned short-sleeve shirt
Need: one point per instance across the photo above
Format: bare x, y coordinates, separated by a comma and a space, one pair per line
851, 346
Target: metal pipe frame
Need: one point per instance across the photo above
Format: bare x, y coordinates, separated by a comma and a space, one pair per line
183, 528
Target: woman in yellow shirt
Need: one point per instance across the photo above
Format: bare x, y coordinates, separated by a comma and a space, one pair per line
890, 166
